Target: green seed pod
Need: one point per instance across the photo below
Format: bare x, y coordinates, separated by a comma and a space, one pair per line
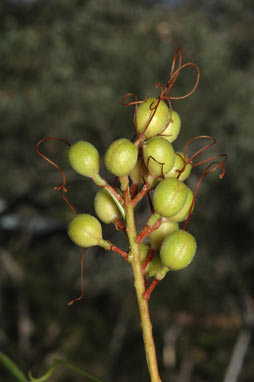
169, 197
84, 158
153, 266
173, 128
179, 165
105, 207
156, 237
183, 213
85, 230
121, 157
178, 250
159, 120
156, 151
137, 173
143, 251
154, 183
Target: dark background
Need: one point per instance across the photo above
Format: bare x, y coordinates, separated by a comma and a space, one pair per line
64, 67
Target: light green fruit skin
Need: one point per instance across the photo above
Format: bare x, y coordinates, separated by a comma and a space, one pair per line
105, 207
183, 213
178, 250
84, 158
121, 157
169, 197
155, 182
159, 120
154, 266
160, 150
156, 237
143, 251
85, 230
173, 128
137, 173
178, 165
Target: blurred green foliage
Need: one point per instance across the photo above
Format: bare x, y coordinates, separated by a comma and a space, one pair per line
65, 65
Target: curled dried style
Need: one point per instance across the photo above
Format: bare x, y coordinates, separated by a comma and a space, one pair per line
174, 73
81, 281
148, 166
62, 188
209, 169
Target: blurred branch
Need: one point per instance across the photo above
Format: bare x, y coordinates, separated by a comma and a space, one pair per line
186, 369
25, 324
242, 343
11, 266
169, 351
237, 358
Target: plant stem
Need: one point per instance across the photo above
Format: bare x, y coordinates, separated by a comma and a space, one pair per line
153, 223
140, 286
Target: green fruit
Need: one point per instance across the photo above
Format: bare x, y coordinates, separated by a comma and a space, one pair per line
143, 251
85, 230
173, 128
183, 213
121, 157
169, 197
105, 207
84, 158
178, 250
179, 165
156, 237
159, 120
153, 266
156, 151
137, 173
154, 183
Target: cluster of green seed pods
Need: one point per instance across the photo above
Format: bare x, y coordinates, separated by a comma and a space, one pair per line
172, 199
146, 166
152, 161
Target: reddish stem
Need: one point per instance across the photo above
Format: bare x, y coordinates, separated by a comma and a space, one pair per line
119, 225
147, 293
119, 251
113, 191
141, 194
147, 230
149, 258
134, 190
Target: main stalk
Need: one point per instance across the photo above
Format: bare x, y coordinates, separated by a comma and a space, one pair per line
140, 286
